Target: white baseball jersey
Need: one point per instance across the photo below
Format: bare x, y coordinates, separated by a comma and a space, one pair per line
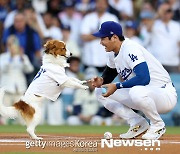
48, 81
130, 55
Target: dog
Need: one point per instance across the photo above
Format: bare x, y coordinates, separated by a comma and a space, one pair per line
48, 83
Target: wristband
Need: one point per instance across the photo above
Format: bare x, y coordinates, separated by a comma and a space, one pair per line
119, 85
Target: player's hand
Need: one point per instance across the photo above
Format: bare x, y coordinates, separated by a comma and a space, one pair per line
111, 88
96, 81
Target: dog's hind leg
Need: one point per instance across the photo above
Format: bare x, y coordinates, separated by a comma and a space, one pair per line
32, 125
32, 116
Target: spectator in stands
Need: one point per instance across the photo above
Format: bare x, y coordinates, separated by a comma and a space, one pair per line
51, 31
4, 9
147, 6
19, 6
123, 7
90, 24
40, 6
175, 5
13, 66
29, 40
34, 20
85, 104
55, 6
71, 45
56, 22
165, 39
69, 16
131, 31
85, 6
147, 20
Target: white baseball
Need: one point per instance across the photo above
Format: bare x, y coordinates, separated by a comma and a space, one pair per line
107, 135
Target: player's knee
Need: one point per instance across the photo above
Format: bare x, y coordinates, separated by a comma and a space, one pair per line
137, 95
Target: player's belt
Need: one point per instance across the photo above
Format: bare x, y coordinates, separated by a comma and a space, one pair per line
166, 84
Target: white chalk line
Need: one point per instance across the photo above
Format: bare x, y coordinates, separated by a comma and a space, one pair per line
2, 144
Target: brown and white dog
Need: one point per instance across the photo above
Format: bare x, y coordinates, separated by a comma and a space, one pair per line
48, 83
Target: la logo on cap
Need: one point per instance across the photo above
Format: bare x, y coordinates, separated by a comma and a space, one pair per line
111, 32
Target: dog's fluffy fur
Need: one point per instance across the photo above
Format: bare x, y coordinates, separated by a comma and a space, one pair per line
29, 107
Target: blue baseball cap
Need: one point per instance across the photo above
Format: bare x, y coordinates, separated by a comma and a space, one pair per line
109, 28
147, 14
131, 24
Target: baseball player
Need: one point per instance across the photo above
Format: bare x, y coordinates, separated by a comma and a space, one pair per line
145, 86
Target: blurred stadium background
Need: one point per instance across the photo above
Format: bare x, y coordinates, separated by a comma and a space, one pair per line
26, 25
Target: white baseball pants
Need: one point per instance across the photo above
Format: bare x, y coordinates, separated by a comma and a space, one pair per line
150, 100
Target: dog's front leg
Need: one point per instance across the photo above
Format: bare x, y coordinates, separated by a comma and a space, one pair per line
77, 80
71, 83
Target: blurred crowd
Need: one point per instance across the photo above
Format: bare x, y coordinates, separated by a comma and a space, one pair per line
26, 25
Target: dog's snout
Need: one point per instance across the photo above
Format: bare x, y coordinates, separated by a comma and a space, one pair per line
71, 54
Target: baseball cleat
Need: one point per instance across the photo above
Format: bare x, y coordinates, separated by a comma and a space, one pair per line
153, 134
135, 130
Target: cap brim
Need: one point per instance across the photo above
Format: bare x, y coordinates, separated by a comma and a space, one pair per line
98, 34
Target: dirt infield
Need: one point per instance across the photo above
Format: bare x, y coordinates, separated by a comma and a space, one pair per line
66, 143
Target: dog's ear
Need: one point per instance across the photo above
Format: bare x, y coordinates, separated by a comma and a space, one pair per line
49, 44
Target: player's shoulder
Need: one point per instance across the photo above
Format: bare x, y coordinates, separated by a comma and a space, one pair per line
131, 48
130, 45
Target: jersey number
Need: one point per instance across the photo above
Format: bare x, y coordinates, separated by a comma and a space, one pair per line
133, 58
42, 70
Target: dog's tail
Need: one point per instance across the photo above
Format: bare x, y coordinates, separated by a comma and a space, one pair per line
5, 111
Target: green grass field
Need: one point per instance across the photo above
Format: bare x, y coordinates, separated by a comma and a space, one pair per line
86, 129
